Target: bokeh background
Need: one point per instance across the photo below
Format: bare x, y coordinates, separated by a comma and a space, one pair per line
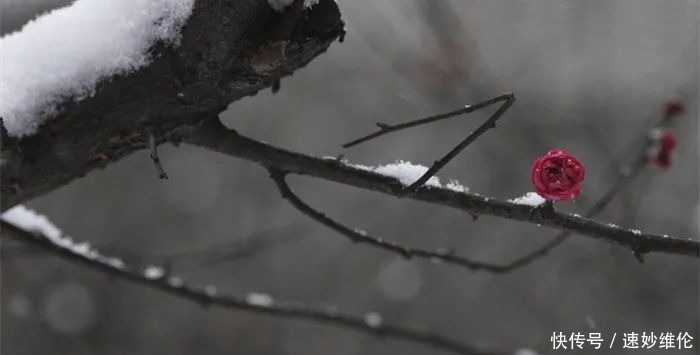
589, 76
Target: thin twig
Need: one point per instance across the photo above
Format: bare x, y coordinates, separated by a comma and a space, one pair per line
623, 180
154, 156
490, 123
624, 177
357, 236
387, 128
206, 296
214, 136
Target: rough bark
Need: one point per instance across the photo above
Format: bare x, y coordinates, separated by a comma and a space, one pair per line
229, 49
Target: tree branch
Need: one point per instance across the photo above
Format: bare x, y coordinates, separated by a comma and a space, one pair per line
216, 137
362, 237
229, 49
208, 296
490, 123
625, 175
389, 128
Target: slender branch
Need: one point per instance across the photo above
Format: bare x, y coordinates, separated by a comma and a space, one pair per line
622, 181
154, 156
216, 137
387, 128
357, 236
208, 296
624, 177
439, 164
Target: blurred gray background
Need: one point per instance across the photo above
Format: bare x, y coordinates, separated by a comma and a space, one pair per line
590, 77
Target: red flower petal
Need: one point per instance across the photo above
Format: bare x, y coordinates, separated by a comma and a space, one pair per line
558, 176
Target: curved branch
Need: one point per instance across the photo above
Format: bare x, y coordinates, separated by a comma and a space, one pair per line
361, 237
208, 296
214, 136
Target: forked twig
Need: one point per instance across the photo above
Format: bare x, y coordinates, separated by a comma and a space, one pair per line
507, 100
387, 128
490, 123
358, 236
216, 137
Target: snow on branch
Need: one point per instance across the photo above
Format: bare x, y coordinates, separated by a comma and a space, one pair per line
215, 136
25, 226
407, 173
529, 199
28, 220
89, 84
65, 53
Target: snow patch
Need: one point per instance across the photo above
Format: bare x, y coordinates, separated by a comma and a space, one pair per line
373, 319
28, 220
280, 5
210, 290
65, 53
153, 272
407, 173
259, 299
529, 199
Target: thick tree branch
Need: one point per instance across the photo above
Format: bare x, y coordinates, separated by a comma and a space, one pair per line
214, 136
229, 49
208, 296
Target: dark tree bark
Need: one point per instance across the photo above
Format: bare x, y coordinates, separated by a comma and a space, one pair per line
229, 49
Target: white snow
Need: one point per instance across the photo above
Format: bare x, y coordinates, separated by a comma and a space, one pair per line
407, 173
24, 218
210, 290
65, 53
280, 5
529, 199
175, 281
454, 185
373, 319
636, 231
153, 272
259, 299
